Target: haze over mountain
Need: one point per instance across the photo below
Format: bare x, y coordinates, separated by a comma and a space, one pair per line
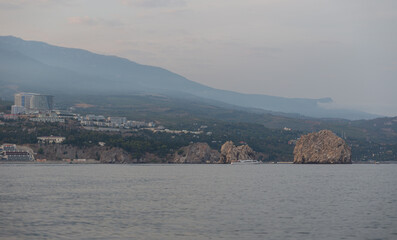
40, 67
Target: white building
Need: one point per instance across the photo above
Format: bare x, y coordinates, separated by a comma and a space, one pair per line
48, 119
10, 152
34, 101
91, 117
117, 121
9, 147
51, 139
15, 109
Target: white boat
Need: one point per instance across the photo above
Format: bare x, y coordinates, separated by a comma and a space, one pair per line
245, 162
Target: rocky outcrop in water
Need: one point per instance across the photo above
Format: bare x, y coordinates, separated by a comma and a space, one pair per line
322, 147
196, 153
231, 153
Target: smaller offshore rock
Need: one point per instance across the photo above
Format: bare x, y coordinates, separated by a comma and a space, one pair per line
322, 147
230, 153
196, 153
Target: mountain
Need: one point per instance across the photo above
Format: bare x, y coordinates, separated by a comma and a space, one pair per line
40, 67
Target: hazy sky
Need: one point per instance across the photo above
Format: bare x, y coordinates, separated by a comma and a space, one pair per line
344, 49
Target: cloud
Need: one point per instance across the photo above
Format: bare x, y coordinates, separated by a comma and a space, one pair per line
15, 4
264, 52
89, 21
82, 20
155, 3
9, 6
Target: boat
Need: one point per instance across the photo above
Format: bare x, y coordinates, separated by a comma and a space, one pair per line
245, 162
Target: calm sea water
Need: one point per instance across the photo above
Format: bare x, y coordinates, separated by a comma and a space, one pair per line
198, 201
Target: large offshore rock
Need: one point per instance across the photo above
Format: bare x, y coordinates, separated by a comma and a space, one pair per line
196, 153
322, 147
230, 153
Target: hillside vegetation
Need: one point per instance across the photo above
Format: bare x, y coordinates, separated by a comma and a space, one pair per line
370, 140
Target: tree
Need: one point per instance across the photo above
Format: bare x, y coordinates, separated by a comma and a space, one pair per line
40, 151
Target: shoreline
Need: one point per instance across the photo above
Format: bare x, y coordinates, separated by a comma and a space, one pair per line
92, 161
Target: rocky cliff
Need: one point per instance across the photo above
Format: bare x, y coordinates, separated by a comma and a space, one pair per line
196, 153
231, 153
322, 147
63, 151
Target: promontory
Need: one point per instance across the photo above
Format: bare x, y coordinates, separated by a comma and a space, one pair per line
322, 147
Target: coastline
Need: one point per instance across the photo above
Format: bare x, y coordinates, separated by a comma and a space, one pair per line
93, 161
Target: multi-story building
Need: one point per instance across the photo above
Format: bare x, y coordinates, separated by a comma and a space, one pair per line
18, 156
9, 147
42, 102
117, 121
10, 152
48, 119
34, 101
15, 109
23, 99
91, 117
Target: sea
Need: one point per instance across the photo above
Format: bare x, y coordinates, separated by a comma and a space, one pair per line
265, 201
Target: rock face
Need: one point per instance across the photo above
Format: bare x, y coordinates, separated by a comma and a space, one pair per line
231, 153
322, 147
196, 153
102, 154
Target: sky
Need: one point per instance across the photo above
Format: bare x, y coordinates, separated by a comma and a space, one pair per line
343, 49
